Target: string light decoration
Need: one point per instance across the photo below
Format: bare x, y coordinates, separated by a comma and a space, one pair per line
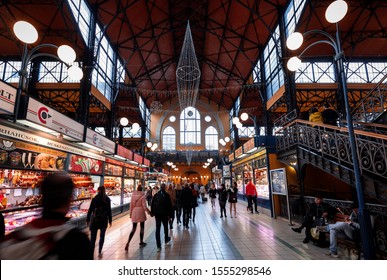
189, 153
187, 72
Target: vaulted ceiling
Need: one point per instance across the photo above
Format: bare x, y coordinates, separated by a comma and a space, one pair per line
229, 37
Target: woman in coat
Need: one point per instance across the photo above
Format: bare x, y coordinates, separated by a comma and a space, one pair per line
137, 214
172, 194
98, 216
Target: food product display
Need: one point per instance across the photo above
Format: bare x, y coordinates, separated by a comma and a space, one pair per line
31, 200
18, 218
82, 181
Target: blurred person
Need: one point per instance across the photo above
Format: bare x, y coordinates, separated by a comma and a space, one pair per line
329, 114
172, 195
161, 209
202, 192
178, 205
98, 217
51, 236
2, 226
149, 195
223, 195
194, 203
137, 212
186, 202
233, 198
317, 212
315, 116
212, 193
252, 194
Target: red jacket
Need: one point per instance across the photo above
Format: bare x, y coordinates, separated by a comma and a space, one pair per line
251, 189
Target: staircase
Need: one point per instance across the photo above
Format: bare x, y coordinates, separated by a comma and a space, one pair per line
328, 148
373, 105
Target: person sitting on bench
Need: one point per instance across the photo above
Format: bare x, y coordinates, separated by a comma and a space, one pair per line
348, 229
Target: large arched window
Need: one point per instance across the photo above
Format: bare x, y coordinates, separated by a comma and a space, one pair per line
190, 126
169, 138
211, 138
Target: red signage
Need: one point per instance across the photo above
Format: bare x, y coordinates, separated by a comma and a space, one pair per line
146, 162
239, 151
137, 158
124, 152
85, 165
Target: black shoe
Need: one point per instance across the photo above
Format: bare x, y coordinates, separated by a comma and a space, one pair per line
296, 229
167, 241
306, 240
142, 244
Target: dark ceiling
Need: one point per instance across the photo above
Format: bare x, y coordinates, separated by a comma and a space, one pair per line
229, 36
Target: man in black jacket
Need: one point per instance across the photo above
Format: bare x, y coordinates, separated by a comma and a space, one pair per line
161, 209
318, 210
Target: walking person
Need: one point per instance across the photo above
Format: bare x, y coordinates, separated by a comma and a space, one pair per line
98, 217
178, 205
51, 236
186, 202
138, 210
194, 203
149, 196
252, 194
202, 192
223, 195
232, 198
172, 195
212, 192
161, 209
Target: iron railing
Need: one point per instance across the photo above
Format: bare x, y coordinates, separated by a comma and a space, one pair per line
373, 104
333, 143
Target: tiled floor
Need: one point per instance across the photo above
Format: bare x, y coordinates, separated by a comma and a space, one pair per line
249, 236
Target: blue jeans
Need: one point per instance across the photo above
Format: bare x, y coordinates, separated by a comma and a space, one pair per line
341, 230
93, 238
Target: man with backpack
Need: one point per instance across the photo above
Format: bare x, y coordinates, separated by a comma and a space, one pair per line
49, 237
161, 209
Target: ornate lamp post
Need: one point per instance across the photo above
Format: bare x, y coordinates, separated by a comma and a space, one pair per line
334, 13
28, 34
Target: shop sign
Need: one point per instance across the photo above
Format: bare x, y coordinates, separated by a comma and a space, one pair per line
114, 170
26, 156
239, 152
85, 165
146, 162
249, 145
45, 116
99, 141
124, 152
137, 158
34, 139
130, 172
7, 98
231, 157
